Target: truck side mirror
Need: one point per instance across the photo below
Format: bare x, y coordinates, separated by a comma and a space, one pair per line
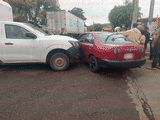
31, 35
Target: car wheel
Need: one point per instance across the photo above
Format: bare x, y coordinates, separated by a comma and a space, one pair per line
93, 64
59, 62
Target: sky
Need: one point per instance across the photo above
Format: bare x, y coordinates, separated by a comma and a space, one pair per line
97, 11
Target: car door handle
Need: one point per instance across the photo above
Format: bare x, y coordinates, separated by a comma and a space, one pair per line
8, 43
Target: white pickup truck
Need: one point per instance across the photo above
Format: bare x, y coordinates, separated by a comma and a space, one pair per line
20, 43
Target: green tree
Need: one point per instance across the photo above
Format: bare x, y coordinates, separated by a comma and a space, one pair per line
95, 27
32, 9
78, 12
122, 15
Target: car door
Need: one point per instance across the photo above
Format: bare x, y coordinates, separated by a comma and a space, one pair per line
81, 40
17, 48
88, 44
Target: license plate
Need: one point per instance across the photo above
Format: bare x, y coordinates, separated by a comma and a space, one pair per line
128, 56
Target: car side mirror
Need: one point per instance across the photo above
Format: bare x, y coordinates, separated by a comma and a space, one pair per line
86, 41
81, 41
31, 35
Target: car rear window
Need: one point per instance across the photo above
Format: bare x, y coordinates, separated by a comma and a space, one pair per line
113, 38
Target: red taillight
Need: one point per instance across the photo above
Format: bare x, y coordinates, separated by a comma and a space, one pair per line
141, 50
117, 51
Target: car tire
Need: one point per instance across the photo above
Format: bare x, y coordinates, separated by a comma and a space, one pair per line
93, 64
59, 62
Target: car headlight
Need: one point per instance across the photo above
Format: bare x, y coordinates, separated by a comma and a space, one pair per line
74, 43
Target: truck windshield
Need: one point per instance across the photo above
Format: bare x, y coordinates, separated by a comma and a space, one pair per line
36, 31
41, 33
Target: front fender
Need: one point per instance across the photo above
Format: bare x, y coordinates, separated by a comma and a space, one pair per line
53, 47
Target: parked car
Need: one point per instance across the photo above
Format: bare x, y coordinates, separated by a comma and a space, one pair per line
104, 49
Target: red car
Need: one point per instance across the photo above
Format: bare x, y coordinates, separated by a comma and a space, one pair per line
104, 49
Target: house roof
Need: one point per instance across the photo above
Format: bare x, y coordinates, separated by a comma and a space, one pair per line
106, 25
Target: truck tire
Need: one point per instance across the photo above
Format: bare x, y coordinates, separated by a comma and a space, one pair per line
59, 62
93, 64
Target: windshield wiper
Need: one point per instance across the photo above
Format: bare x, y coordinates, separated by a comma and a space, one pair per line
120, 37
109, 36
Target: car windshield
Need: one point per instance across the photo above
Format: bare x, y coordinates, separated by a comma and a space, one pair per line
113, 38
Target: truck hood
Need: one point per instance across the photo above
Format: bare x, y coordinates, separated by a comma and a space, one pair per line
58, 37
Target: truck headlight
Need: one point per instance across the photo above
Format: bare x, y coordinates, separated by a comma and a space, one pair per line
74, 43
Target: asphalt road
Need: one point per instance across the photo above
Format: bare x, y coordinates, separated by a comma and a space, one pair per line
35, 92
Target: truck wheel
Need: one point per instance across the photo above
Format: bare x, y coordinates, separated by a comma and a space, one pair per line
93, 64
59, 62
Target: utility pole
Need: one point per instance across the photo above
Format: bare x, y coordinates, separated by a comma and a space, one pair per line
151, 14
135, 11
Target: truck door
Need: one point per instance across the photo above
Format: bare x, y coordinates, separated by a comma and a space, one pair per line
17, 48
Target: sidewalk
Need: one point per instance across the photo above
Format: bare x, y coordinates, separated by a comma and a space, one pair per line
150, 86
147, 52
